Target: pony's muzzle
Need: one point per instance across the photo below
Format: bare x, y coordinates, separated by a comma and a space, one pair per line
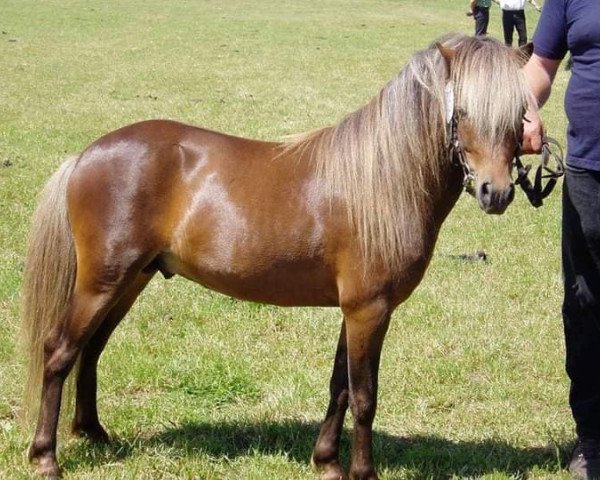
494, 200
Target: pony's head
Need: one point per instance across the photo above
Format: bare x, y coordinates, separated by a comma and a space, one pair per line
486, 100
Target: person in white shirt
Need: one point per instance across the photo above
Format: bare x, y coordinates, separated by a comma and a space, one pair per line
513, 17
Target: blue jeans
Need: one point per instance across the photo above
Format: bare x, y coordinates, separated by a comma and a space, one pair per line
581, 304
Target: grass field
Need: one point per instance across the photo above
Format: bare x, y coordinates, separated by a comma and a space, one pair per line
197, 385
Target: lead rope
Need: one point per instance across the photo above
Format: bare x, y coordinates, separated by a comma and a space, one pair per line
536, 192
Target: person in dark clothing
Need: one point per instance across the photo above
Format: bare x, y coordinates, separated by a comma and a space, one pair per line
513, 17
568, 26
480, 9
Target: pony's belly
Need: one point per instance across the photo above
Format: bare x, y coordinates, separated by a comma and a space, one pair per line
300, 283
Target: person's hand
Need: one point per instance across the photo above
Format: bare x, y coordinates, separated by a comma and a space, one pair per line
533, 132
469, 14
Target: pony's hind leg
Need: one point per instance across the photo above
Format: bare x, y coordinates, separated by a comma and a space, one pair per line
86, 422
325, 455
91, 301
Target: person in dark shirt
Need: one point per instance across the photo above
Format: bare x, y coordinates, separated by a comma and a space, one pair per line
573, 26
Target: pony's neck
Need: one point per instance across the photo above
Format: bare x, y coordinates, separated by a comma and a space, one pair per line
386, 160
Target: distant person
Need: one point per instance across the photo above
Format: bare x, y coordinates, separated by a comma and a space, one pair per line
513, 17
480, 10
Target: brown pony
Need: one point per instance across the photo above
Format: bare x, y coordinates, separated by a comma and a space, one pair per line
344, 216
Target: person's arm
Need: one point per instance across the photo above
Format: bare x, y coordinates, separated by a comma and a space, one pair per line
472, 5
539, 72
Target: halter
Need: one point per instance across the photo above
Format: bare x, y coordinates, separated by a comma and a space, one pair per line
536, 191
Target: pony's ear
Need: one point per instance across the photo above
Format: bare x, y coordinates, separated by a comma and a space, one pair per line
523, 53
448, 54
526, 50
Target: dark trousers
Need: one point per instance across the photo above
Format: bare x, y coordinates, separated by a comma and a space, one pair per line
482, 18
581, 304
512, 19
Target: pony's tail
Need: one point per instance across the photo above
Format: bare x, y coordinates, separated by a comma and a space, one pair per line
48, 279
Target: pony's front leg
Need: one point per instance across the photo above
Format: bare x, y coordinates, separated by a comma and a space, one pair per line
366, 327
325, 455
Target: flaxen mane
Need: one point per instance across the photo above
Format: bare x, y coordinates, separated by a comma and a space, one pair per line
385, 159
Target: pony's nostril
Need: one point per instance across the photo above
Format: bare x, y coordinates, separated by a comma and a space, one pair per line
494, 200
485, 190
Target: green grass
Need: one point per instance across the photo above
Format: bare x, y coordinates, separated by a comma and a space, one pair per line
196, 385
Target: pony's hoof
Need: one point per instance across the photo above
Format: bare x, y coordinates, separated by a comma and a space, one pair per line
334, 474
330, 471
363, 474
46, 467
49, 472
95, 434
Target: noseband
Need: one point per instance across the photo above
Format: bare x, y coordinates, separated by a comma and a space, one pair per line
550, 169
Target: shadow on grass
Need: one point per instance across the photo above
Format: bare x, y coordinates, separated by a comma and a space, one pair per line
427, 456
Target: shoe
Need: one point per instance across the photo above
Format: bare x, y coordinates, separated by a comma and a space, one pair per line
585, 459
